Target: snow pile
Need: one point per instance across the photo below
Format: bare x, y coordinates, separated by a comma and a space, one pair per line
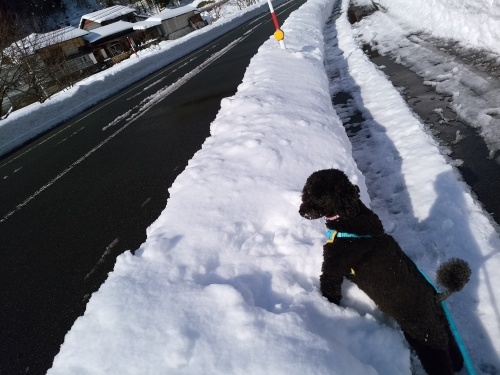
475, 22
227, 280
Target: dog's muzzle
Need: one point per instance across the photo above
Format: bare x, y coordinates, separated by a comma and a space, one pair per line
309, 212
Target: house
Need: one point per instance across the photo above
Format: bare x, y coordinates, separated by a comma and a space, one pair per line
107, 16
113, 41
177, 22
149, 31
69, 44
66, 44
62, 50
41, 64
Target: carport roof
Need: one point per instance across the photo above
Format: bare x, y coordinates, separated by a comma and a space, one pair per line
143, 25
95, 35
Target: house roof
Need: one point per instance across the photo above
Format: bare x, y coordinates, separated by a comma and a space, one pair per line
171, 13
64, 34
143, 25
96, 34
107, 14
35, 42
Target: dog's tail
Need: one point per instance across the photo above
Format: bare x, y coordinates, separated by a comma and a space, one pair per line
453, 275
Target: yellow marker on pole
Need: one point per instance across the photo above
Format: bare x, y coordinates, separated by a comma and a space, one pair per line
279, 34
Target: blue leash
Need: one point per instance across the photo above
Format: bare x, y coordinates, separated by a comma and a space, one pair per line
454, 330
332, 234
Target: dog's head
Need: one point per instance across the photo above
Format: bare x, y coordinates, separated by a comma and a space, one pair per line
329, 193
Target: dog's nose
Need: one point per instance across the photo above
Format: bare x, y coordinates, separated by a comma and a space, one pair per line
303, 211
307, 212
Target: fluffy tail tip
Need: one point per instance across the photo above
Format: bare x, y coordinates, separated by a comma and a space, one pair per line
453, 274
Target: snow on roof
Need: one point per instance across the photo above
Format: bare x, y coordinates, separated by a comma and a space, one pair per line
35, 42
107, 14
64, 34
143, 25
108, 30
171, 13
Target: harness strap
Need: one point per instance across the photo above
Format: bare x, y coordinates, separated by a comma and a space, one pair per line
331, 234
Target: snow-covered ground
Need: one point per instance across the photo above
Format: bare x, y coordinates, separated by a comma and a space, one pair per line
472, 22
475, 93
227, 281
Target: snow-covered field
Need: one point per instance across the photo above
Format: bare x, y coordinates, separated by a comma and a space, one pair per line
227, 281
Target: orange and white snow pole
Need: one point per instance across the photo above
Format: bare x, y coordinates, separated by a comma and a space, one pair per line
278, 34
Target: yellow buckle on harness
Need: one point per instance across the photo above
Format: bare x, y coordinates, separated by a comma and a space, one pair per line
330, 235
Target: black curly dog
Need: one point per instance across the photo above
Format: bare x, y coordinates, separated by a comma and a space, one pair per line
361, 252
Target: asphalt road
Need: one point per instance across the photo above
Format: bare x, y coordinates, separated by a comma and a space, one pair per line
76, 198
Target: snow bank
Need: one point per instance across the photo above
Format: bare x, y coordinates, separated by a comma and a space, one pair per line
475, 95
226, 282
475, 22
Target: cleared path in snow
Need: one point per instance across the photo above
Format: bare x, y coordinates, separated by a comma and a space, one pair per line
384, 180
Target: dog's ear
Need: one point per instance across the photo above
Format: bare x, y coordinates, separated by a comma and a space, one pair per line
347, 200
342, 184
355, 190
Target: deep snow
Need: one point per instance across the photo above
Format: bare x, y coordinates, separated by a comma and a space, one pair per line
227, 279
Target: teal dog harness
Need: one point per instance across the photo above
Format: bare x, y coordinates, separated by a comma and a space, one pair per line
331, 234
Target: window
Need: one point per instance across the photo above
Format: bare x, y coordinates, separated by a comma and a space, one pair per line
70, 49
115, 49
79, 63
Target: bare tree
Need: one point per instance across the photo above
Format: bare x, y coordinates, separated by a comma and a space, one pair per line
33, 72
33, 67
38, 67
10, 73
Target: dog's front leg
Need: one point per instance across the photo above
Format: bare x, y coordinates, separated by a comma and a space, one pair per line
331, 288
332, 275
